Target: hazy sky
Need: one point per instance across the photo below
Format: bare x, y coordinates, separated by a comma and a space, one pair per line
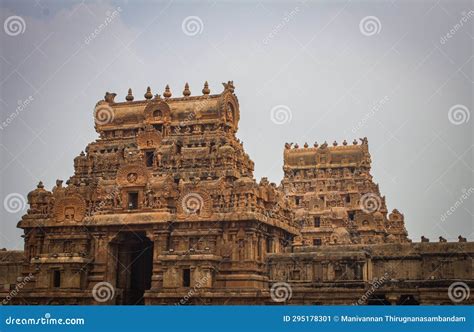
330, 70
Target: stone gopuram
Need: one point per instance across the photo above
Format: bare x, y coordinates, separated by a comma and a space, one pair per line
163, 209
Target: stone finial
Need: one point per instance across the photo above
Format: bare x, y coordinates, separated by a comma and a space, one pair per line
167, 93
297, 146
424, 239
462, 239
344, 143
148, 94
129, 96
334, 143
206, 90
109, 97
306, 144
40, 185
355, 142
82, 154
229, 86
315, 144
442, 239
364, 140
186, 91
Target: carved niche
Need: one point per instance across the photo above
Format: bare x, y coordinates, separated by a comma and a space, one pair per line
149, 138
70, 208
157, 112
229, 109
132, 175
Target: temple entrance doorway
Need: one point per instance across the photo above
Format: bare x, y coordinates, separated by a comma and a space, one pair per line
134, 267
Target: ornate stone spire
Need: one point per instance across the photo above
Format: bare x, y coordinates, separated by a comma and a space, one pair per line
186, 91
129, 96
167, 93
206, 90
148, 94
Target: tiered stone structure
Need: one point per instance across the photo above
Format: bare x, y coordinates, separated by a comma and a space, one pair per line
334, 198
163, 209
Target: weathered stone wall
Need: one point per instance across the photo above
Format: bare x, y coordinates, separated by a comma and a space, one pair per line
412, 272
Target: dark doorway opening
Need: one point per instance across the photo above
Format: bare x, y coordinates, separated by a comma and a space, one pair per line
134, 264
186, 277
56, 278
132, 200
149, 156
